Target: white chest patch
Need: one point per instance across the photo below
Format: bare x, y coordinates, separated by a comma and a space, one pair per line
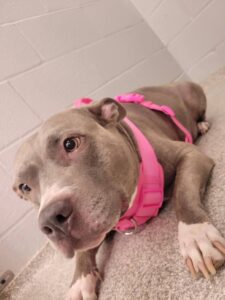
133, 197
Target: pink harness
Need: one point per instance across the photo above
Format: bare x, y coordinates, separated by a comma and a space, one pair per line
150, 188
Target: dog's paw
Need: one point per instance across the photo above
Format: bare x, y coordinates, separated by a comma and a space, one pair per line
84, 288
202, 247
203, 127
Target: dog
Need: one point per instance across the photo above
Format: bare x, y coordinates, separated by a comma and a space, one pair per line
81, 170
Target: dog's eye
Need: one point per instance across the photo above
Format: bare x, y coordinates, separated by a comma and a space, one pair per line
24, 188
71, 144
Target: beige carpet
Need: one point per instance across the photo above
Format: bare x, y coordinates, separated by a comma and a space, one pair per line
147, 265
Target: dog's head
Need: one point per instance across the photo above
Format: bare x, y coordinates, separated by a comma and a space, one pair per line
79, 170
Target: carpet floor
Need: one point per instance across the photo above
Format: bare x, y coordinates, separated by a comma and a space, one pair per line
147, 265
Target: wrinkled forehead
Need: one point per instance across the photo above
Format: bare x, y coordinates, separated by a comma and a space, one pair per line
68, 123
78, 121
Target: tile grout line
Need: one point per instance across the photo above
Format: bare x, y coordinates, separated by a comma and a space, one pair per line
192, 19
191, 22
30, 43
25, 102
125, 71
4, 168
46, 62
198, 62
47, 13
50, 12
157, 7
151, 12
169, 44
32, 130
16, 140
15, 224
180, 76
211, 50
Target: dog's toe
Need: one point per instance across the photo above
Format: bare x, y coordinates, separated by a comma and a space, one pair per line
202, 247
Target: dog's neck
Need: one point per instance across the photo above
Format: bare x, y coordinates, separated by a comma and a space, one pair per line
127, 133
130, 140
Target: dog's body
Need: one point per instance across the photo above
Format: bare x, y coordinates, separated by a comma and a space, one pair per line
83, 190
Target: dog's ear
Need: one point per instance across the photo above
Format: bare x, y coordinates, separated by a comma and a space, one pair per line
108, 111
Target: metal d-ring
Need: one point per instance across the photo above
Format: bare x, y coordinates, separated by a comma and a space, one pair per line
131, 230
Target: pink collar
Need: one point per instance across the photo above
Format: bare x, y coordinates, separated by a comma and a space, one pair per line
150, 187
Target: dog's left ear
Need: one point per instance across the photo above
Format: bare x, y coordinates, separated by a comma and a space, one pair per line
108, 111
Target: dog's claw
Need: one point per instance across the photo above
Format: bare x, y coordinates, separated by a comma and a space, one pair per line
203, 269
190, 267
219, 246
209, 265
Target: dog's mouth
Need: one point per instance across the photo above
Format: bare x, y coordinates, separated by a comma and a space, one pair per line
69, 245
83, 235
65, 246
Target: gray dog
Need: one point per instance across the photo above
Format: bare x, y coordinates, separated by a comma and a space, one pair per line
82, 167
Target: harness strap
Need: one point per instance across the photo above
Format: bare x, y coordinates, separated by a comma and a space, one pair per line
150, 188
139, 99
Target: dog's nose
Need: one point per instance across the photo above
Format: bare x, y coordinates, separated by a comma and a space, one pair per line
54, 218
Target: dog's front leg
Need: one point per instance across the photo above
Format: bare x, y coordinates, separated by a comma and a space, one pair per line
201, 244
85, 277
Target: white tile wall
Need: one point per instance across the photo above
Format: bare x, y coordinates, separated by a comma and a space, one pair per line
220, 50
193, 7
112, 15
146, 7
14, 10
114, 55
201, 36
52, 86
7, 155
75, 28
16, 116
16, 55
168, 20
158, 69
20, 244
209, 62
52, 5
12, 208
193, 32
52, 52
